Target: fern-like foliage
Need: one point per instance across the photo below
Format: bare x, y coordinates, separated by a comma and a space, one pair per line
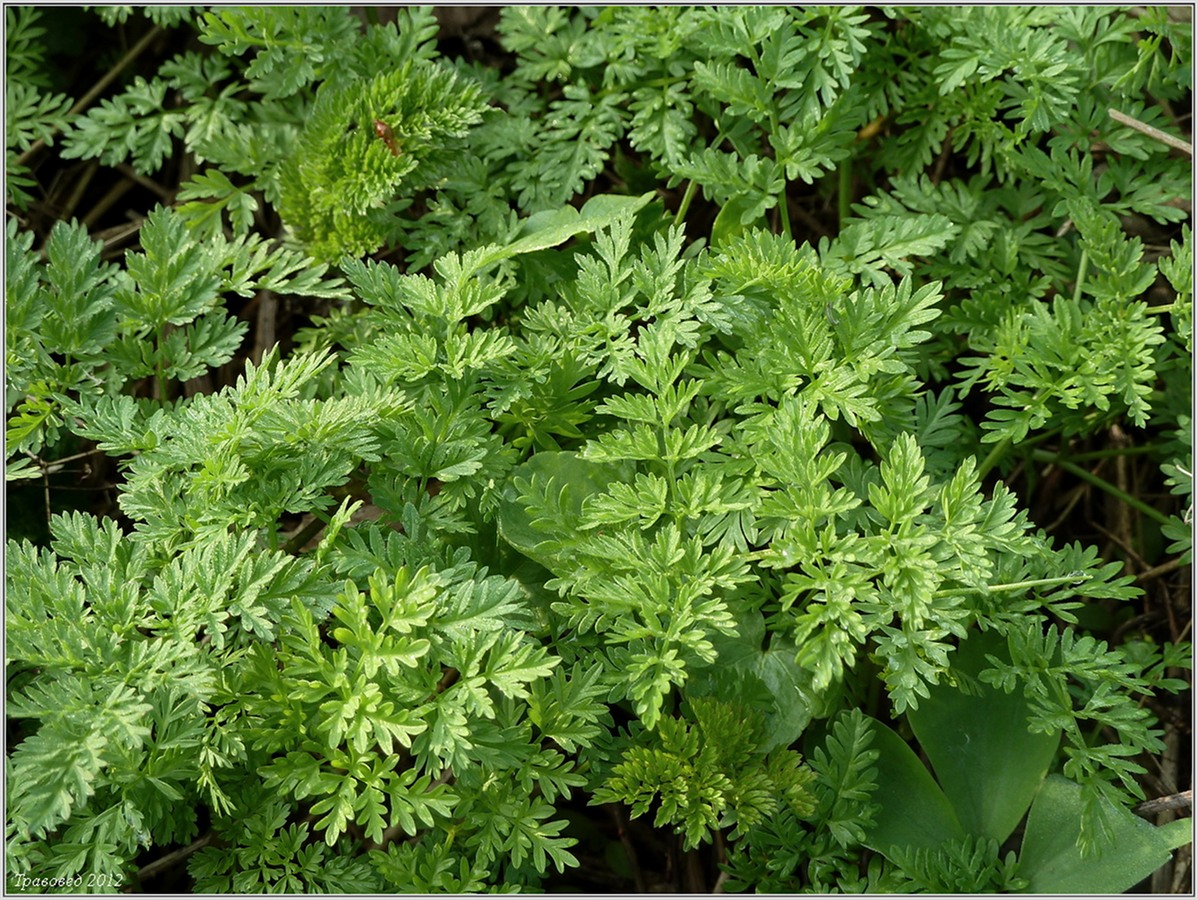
815, 851
1053, 666
972, 865
80, 329
274, 857
122, 743
31, 111
707, 776
586, 482
291, 50
338, 187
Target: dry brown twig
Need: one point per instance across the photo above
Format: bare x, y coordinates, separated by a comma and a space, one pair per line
1144, 128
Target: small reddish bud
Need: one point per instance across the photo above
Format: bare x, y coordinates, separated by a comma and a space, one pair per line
383, 130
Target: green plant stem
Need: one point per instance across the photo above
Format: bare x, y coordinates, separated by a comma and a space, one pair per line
687, 197
1086, 475
1081, 276
1138, 450
993, 457
173, 858
844, 192
774, 126
305, 534
100, 86
692, 186
1020, 585
160, 367
873, 703
1002, 446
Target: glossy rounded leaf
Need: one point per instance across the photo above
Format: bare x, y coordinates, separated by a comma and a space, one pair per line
1053, 863
914, 813
987, 762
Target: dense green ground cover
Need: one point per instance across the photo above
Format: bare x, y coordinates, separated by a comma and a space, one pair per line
597, 449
